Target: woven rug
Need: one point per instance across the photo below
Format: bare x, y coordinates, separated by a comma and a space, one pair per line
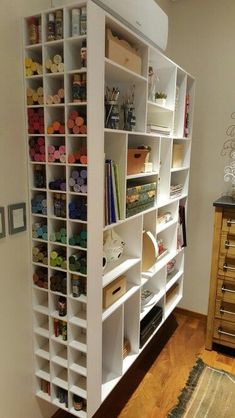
209, 393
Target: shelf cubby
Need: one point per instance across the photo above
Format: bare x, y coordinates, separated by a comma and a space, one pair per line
182, 178
53, 86
42, 348
52, 49
167, 216
156, 285
58, 282
112, 351
135, 141
41, 324
40, 300
77, 337
119, 30
73, 54
173, 296
164, 175
176, 266
78, 384
180, 103
42, 368
77, 313
78, 362
59, 354
59, 397
131, 329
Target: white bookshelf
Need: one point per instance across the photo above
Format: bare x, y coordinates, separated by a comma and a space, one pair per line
86, 358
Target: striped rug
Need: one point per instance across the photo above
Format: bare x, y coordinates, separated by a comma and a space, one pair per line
209, 393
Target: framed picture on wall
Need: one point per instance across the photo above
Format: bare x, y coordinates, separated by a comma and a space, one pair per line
17, 218
2, 222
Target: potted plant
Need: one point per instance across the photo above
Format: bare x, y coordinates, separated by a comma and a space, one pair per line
160, 98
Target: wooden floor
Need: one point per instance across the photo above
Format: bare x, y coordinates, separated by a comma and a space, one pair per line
150, 389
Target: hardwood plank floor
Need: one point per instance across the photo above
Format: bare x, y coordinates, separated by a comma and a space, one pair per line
150, 389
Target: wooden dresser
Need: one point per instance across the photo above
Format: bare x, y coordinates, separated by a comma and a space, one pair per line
221, 310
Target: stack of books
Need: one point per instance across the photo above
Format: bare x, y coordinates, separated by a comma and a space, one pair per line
159, 129
112, 206
176, 190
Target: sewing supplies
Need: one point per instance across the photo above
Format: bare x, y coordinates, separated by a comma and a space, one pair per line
112, 115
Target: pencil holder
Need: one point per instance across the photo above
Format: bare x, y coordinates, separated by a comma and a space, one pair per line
112, 115
129, 117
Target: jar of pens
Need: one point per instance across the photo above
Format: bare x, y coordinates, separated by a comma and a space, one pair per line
129, 110
112, 115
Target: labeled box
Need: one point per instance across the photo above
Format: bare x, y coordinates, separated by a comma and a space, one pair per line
114, 291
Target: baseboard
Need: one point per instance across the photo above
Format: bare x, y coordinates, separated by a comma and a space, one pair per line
192, 314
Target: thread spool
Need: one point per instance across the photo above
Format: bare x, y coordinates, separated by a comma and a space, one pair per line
39, 204
78, 209
32, 67
37, 149
56, 98
54, 64
58, 283
56, 127
35, 121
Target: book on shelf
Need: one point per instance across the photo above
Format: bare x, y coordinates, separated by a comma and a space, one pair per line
176, 119
181, 233
112, 193
160, 129
176, 190
186, 116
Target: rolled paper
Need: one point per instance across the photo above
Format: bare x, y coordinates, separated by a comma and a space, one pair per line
83, 129
29, 92
35, 97
41, 141
28, 62
77, 155
83, 174
56, 99
62, 129
83, 159
50, 130
40, 100
48, 63
71, 182
29, 101
51, 158
51, 149
40, 91
54, 68
50, 100
57, 59
73, 114
61, 67
71, 159
84, 188
52, 237
76, 130
56, 125
76, 188
79, 121
70, 123
75, 174
57, 155
63, 158
61, 93
62, 149
34, 66
80, 181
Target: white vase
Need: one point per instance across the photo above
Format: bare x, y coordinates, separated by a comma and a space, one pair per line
161, 102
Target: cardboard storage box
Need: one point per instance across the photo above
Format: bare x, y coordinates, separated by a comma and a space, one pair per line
114, 291
177, 155
136, 158
121, 52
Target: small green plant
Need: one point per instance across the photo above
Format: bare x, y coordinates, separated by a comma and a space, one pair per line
160, 95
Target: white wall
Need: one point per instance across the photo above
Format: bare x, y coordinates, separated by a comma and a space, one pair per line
201, 40
16, 366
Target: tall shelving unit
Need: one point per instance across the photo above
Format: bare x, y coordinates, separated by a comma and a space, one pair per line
86, 358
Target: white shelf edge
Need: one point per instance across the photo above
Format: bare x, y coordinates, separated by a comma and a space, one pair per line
118, 268
140, 175
60, 361
159, 107
42, 353
184, 168
60, 382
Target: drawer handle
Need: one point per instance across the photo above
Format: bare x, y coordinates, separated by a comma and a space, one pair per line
225, 289
220, 331
230, 222
223, 311
225, 267
228, 245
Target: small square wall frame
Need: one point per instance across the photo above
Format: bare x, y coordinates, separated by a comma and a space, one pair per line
17, 218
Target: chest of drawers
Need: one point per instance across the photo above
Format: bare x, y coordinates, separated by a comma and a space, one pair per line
221, 310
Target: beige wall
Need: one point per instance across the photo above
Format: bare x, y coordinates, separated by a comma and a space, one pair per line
16, 365
201, 40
